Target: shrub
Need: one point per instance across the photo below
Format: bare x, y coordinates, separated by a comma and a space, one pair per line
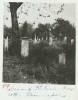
42, 52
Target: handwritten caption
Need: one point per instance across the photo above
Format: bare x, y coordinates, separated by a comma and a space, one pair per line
6, 86
37, 91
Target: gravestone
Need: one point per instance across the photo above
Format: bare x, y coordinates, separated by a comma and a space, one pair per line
72, 41
35, 40
39, 39
51, 39
42, 38
62, 58
6, 44
46, 38
65, 40
24, 46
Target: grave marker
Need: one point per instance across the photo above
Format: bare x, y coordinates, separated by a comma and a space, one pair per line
6, 44
35, 40
62, 58
51, 39
25, 46
65, 40
72, 41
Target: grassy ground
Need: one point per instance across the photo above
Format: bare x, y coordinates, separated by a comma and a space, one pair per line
41, 66
12, 71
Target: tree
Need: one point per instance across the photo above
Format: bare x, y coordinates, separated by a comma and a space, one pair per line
15, 29
65, 28
27, 30
7, 32
42, 30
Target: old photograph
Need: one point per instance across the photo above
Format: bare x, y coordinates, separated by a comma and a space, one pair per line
39, 43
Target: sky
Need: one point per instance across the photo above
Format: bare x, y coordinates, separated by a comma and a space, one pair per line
35, 13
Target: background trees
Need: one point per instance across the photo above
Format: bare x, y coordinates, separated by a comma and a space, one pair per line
26, 30
63, 28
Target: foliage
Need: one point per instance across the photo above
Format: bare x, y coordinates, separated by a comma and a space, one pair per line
42, 30
26, 30
41, 66
65, 28
7, 32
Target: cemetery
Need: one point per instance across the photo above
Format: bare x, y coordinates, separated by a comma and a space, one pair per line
45, 54
42, 61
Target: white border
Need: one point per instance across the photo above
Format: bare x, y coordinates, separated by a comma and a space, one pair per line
71, 95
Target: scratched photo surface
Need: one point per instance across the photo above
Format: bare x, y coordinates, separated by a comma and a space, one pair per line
39, 43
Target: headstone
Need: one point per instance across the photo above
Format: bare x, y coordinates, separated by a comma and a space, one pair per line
65, 40
42, 38
39, 39
72, 41
50, 39
46, 38
60, 34
25, 46
35, 40
62, 58
6, 44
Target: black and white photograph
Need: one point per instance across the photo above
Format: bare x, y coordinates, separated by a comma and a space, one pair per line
39, 43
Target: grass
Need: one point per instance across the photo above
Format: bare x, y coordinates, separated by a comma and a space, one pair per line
41, 66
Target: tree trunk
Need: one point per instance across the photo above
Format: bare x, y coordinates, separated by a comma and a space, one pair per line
15, 28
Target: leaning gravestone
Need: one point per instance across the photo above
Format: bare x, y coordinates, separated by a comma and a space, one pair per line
6, 44
62, 58
25, 46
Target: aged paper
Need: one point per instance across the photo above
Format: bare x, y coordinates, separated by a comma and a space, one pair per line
48, 69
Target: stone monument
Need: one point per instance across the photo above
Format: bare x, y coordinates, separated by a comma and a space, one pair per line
24, 46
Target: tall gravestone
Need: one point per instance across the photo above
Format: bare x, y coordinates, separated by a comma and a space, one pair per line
50, 39
6, 44
46, 38
35, 40
24, 46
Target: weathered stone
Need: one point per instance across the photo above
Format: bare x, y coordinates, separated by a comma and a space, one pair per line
72, 41
25, 46
6, 44
42, 38
46, 38
35, 40
50, 40
62, 58
65, 40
